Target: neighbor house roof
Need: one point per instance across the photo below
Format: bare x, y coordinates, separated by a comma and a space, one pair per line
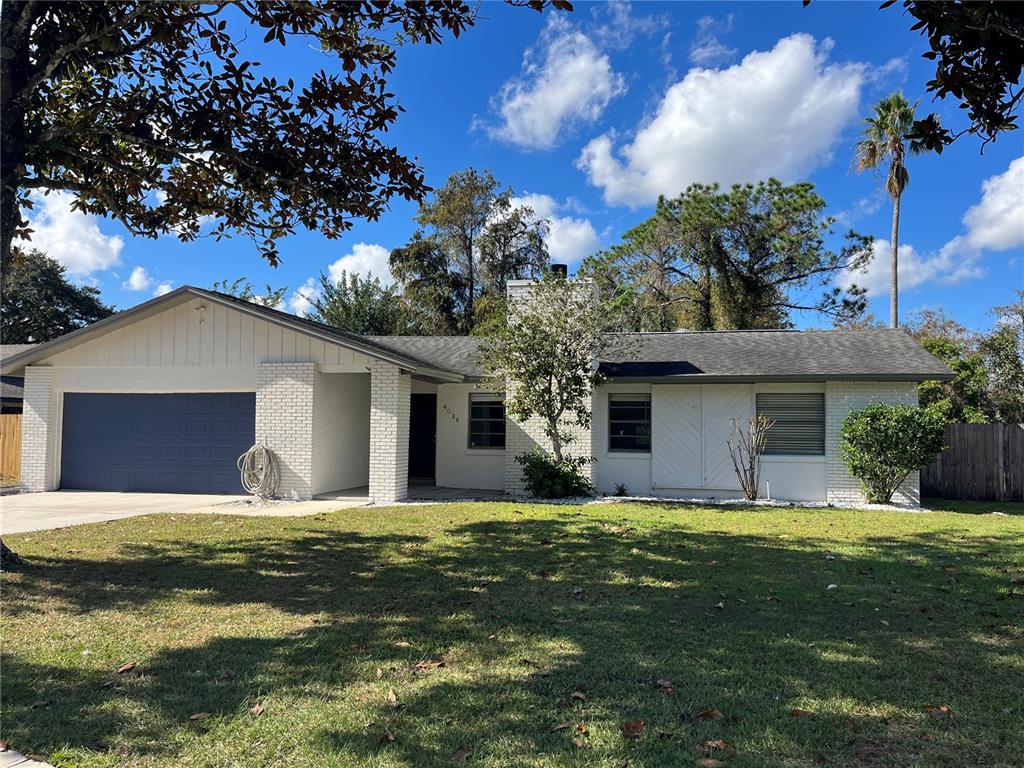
875, 354
12, 387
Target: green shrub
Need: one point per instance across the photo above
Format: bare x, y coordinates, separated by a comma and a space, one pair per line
882, 444
548, 478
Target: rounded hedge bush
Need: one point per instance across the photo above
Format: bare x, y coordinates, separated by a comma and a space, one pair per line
882, 444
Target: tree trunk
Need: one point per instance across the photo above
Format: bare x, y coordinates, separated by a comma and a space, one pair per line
14, 73
556, 442
894, 280
7, 557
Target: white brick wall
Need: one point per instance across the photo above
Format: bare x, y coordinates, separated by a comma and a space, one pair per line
523, 437
390, 392
38, 431
841, 398
284, 422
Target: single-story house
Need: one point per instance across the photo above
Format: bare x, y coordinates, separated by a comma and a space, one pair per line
11, 387
165, 397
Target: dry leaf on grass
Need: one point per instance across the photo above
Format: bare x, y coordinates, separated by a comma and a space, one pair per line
797, 712
711, 713
392, 697
561, 727
256, 709
940, 712
225, 676
4, 746
199, 716
709, 762
710, 746
41, 704
633, 729
462, 755
387, 737
126, 667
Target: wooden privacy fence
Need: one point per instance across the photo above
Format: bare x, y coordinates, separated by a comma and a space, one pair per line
10, 445
983, 462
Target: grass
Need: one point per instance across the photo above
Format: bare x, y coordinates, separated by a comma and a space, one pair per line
427, 635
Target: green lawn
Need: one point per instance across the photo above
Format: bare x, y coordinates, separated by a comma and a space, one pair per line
427, 635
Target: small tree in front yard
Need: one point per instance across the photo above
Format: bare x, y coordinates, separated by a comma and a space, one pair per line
882, 444
544, 356
745, 449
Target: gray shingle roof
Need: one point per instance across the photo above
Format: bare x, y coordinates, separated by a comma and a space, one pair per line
457, 354
736, 355
866, 354
12, 387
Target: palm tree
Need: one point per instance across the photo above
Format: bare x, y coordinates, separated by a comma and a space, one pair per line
885, 141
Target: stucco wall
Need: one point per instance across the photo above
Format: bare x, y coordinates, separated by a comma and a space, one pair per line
458, 465
341, 431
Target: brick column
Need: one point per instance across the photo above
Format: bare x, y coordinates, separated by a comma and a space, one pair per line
39, 431
390, 394
284, 422
842, 398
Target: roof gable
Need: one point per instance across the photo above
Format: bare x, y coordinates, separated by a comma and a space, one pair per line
221, 305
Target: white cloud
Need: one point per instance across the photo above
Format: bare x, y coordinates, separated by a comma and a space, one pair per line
569, 239
368, 259
622, 27
565, 81
707, 50
71, 237
776, 113
953, 263
301, 301
163, 288
997, 222
139, 280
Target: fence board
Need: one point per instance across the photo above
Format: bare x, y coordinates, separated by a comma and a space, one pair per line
10, 446
983, 462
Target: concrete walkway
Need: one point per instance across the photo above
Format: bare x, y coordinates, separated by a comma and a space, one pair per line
9, 759
60, 509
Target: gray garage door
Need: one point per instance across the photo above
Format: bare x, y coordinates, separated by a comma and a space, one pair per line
180, 443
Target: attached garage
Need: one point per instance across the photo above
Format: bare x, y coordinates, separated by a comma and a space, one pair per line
168, 443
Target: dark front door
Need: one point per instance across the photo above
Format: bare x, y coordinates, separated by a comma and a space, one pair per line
422, 437
171, 443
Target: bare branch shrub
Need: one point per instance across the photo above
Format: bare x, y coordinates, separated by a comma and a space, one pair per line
745, 449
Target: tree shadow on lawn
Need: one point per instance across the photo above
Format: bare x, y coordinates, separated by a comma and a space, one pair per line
523, 614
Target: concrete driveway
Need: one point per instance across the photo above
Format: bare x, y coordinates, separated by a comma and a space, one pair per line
60, 509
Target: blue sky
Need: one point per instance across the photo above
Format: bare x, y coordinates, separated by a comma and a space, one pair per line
589, 116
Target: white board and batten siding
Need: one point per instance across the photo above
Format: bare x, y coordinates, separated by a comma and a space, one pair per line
156, 353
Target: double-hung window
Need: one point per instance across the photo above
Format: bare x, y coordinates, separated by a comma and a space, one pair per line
799, 428
486, 421
629, 423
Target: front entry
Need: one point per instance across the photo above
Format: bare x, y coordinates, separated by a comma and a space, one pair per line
422, 438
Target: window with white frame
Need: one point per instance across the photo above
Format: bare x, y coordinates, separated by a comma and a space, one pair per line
799, 428
486, 421
629, 423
